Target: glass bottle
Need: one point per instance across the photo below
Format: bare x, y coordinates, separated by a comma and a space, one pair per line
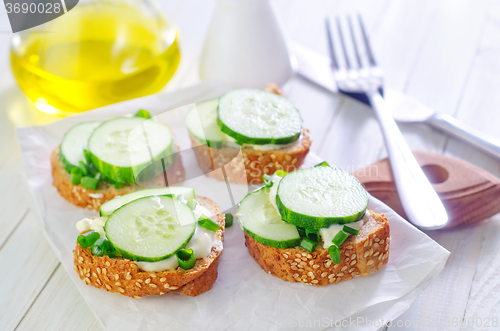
100, 52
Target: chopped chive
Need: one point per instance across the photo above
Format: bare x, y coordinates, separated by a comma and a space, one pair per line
308, 245
186, 258
97, 247
84, 168
340, 238
207, 223
312, 235
281, 173
68, 168
322, 164
302, 232
86, 154
76, 175
229, 220
192, 203
90, 183
87, 239
350, 230
143, 113
92, 170
268, 180
334, 253
103, 246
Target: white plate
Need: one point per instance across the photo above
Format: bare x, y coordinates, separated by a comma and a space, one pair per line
244, 297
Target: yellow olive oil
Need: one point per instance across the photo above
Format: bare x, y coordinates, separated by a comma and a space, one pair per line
97, 54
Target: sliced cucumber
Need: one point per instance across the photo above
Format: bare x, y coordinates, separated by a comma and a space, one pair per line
201, 122
74, 142
317, 197
258, 117
261, 221
131, 149
110, 206
151, 228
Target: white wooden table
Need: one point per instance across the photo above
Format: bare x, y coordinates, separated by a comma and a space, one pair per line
444, 53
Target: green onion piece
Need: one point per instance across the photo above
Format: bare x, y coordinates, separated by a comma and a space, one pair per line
83, 166
268, 180
350, 230
340, 238
143, 113
207, 223
192, 203
334, 253
76, 175
90, 183
281, 173
229, 220
87, 239
86, 154
118, 185
322, 164
302, 232
92, 171
186, 258
313, 235
68, 168
97, 247
308, 245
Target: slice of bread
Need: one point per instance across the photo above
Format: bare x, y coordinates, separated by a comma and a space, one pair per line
361, 255
93, 199
124, 277
249, 165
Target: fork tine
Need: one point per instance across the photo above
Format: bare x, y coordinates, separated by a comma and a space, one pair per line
344, 49
354, 43
331, 44
366, 42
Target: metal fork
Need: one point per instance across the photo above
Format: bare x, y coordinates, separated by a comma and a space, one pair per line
363, 80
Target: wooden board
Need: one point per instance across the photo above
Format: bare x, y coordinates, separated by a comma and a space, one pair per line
469, 193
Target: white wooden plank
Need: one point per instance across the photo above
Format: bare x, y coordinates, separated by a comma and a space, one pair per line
443, 63
446, 298
12, 200
483, 307
68, 310
27, 263
481, 97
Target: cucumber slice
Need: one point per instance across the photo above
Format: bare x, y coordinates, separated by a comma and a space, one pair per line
131, 149
110, 206
74, 142
151, 228
317, 197
201, 121
258, 117
261, 221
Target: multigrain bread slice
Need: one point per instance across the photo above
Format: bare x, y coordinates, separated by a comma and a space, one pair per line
93, 199
249, 165
124, 277
361, 255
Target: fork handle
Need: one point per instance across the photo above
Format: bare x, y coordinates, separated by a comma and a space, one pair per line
418, 198
473, 136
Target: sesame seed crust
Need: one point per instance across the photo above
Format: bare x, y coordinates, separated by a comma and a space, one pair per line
249, 165
322, 271
124, 276
80, 196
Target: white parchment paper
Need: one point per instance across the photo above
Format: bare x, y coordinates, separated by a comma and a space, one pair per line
244, 297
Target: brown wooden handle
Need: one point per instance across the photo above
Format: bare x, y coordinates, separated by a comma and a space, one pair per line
469, 193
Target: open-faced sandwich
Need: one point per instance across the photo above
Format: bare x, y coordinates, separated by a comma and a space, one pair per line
313, 226
99, 160
152, 241
265, 126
